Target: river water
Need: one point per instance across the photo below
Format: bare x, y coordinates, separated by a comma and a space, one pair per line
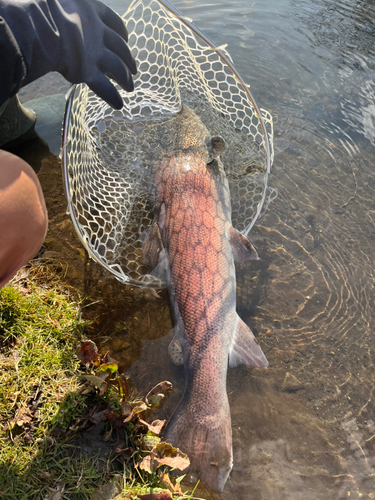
305, 428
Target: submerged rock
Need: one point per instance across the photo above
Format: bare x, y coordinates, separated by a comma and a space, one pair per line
291, 383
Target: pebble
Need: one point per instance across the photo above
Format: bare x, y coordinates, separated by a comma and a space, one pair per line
65, 225
291, 383
106, 492
294, 205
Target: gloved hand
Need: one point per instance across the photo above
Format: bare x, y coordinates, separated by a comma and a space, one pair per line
84, 40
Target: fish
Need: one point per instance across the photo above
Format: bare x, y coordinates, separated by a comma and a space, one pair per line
193, 244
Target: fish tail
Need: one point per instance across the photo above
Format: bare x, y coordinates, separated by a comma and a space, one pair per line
206, 442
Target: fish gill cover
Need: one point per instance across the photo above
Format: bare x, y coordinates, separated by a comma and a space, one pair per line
108, 155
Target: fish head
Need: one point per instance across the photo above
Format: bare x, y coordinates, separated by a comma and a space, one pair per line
190, 131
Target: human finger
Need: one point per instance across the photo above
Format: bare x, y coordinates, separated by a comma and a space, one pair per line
111, 65
116, 44
105, 89
111, 19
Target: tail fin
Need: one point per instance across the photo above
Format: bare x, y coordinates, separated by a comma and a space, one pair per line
208, 444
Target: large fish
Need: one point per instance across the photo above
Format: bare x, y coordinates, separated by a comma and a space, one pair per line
193, 241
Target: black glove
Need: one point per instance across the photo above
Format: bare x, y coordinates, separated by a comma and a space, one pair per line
82, 39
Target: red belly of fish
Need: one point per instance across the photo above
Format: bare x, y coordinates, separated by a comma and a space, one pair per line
198, 250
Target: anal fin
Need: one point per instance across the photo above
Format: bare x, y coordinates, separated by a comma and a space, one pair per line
244, 349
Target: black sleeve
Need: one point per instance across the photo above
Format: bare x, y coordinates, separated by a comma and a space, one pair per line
12, 68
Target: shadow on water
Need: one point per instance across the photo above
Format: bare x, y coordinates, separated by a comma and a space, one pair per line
304, 429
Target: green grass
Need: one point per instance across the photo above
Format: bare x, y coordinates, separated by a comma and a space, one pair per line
44, 397
39, 381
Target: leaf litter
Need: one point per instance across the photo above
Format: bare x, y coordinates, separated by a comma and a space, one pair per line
129, 423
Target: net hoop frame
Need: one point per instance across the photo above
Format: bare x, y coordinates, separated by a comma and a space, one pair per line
119, 274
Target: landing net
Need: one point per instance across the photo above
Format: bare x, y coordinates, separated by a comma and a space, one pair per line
108, 154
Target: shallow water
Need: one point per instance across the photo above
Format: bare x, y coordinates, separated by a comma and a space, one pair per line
310, 299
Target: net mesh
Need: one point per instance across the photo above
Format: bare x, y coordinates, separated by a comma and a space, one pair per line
108, 154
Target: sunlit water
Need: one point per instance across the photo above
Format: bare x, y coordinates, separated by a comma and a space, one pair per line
310, 299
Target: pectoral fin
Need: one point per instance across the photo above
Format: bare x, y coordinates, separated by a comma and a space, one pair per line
242, 248
161, 271
152, 246
244, 349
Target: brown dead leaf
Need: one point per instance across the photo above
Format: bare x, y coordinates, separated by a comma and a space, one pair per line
43, 474
130, 417
167, 483
98, 381
156, 397
166, 454
99, 416
140, 407
125, 409
57, 493
148, 464
87, 352
80, 423
86, 388
156, 427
